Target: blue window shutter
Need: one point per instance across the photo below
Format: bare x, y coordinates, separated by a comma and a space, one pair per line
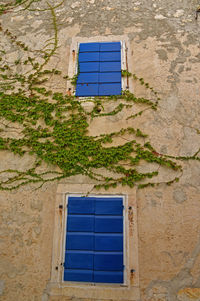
99, 69
94, 240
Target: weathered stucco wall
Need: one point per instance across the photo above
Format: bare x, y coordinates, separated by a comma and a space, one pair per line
164, 49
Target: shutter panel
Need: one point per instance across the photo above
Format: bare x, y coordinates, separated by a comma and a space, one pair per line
78, 275
80, 223
110, 89
109, 206
108, 224
108, 261
80, 241
112, 46
89, 47
89, 57
108, 277
85, 78
110, 67
108, 243
80, 205
79, 255
87, 90
110, 56
109, 77
94, 240
79, 260
89, 67
99, 69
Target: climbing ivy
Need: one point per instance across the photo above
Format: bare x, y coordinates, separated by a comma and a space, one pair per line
53, 127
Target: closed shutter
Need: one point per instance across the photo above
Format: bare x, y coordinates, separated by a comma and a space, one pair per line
99, 69
94, 240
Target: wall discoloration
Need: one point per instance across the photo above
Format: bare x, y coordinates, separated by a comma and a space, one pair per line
173, 287
27, 220
169, 254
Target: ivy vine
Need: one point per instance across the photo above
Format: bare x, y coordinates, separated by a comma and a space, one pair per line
53, 127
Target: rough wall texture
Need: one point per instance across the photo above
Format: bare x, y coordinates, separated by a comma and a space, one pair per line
164, 49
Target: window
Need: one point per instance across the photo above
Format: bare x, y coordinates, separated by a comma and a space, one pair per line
94, 245
64, 282
99, 69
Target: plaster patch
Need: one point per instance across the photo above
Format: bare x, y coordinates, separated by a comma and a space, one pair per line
36, 205
162, 54
159, 17
75, 4
108, 31
70, 31
191, 138
17, 18
179, 13
179, 195
7, 268
69, 20
36, 24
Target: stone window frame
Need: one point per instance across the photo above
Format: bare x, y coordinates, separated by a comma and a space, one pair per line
127, 291
125, 58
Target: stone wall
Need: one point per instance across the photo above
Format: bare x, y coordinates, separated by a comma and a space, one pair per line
163, 39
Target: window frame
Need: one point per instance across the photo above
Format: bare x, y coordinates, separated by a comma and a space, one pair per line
125, 259
56, 287
74, 64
